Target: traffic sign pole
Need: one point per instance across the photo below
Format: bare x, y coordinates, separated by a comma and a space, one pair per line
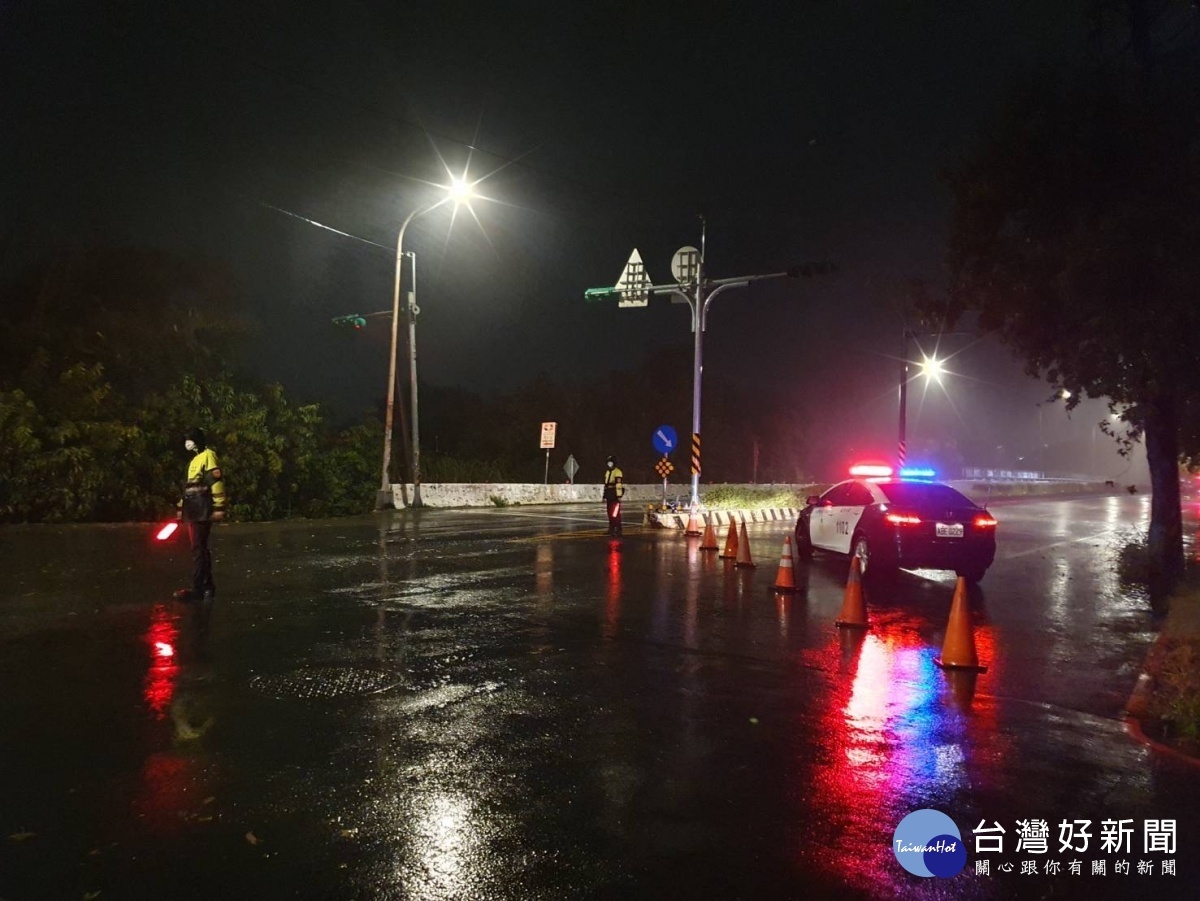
698, 293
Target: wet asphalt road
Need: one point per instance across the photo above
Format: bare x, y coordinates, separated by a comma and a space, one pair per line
505, 704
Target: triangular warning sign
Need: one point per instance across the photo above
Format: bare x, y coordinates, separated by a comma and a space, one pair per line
634, 283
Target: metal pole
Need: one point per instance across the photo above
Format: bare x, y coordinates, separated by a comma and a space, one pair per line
546, 475
413, 310
697, 359
384, 498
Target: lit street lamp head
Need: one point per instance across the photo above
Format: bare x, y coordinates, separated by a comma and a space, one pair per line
933, 368
461, 190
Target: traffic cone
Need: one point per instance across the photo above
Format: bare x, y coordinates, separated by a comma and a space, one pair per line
785, 578
731, 542
743, 552
958, 650
693, 528
854, 605
709, 542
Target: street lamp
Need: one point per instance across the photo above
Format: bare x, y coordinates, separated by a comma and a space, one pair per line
932, 369
458, 191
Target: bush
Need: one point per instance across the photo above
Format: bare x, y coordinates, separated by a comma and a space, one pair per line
736, 497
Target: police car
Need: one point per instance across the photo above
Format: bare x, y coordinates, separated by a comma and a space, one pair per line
888, 523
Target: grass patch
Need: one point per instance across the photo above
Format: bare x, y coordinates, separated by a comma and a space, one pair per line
498, 501
1174, 706
737, 497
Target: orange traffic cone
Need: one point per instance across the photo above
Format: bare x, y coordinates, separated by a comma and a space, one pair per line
693, 528
743, 553
958, 650
785, 578
854, 605
731, 542
709, 542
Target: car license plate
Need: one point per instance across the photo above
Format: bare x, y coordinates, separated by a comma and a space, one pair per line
949, 530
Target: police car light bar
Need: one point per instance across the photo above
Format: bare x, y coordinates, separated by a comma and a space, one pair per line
917, 472
867, 470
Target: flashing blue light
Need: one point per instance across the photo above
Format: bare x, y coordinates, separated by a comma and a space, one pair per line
916, 472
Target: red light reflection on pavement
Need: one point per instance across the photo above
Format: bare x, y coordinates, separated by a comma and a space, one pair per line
612, 606
162, 676
892, 738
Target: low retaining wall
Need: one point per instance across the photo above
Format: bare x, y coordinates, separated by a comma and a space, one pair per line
499, 494
488, 494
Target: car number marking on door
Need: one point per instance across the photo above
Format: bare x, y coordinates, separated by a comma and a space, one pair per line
842, 527
949, 530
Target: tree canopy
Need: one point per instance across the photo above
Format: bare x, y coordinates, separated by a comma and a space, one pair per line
1074, 234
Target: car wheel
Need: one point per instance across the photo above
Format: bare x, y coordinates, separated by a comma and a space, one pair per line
804, 548
867, 564
861, 548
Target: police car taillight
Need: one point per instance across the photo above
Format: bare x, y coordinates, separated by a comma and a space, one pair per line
984, 521
903, 519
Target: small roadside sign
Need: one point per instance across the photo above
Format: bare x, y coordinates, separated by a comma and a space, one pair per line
548, 429
664, 468
571, 467
665, 439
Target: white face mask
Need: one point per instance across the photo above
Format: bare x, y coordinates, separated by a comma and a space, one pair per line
190, 444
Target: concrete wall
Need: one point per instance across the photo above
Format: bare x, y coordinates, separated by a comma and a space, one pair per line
470, 494
480, 494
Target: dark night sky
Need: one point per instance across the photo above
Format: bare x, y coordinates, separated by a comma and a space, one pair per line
802, 131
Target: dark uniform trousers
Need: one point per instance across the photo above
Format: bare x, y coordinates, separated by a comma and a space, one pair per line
202, 578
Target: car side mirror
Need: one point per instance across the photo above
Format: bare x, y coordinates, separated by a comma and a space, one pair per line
813, 500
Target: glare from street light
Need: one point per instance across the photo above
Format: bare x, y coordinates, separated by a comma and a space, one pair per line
933, 368
461, 190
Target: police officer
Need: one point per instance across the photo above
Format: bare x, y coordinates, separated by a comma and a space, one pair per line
614, 490
202, 504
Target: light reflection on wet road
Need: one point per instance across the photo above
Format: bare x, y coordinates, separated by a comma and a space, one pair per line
505, 704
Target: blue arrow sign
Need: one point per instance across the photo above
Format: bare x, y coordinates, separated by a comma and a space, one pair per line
665, 439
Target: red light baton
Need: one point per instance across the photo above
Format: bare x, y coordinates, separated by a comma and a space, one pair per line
167, 531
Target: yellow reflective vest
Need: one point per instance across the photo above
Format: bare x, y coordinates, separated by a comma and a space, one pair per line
206, 462
614, 483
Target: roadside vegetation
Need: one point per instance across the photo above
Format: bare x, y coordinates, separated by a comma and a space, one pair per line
1173, 708
739, 497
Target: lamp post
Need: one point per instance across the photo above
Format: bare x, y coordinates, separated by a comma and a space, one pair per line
458, 191
931, 368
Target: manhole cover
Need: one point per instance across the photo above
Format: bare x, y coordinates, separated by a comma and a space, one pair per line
324, 682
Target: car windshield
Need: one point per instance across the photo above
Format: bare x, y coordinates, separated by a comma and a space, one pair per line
924, 494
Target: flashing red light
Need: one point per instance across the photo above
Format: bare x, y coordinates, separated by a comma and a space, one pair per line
167, 531
983, 521
903, 519
870, 470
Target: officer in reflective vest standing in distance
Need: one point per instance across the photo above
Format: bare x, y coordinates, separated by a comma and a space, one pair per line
202, 504
614, 490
